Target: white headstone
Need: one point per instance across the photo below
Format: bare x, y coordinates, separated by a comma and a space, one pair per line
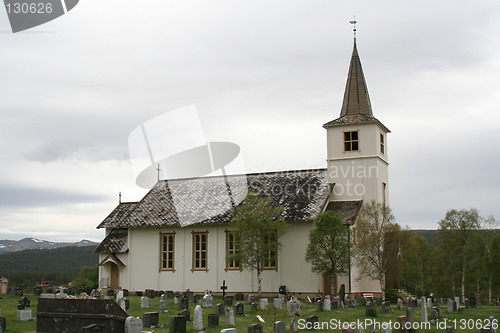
163, 305
198, 318
133, 325
327, 305
24, 315
144, 302
457, 299
121, 303
423, 311
207, 301
47, 295
263, 303
175, 300
400, 304
230, 316
119, 295
277, 303
61, 295
229, 330
429, 302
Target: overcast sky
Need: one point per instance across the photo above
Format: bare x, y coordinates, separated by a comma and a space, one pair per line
263, 74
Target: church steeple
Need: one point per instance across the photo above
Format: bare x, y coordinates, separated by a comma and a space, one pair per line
356, 98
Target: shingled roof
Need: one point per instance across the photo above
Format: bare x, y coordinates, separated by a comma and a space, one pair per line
115, 242
347, 210
303, 194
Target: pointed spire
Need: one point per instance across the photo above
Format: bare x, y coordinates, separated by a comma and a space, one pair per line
356, 99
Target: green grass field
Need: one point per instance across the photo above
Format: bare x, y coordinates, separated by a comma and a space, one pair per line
467, 320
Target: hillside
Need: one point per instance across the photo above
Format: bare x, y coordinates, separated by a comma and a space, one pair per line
8, 246
64, 259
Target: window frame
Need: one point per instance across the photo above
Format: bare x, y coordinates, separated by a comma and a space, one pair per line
200, 251
236, 265
272, 254
167, 251
350, 141
382, 144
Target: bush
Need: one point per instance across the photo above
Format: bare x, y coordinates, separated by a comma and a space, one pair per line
391, 295
87, 279
371, 312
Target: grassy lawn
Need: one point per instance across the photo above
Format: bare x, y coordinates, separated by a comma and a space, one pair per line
467, 318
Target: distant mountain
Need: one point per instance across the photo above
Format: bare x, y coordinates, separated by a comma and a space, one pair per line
63, 259
9, 246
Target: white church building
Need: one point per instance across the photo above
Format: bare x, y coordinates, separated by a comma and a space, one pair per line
147, 248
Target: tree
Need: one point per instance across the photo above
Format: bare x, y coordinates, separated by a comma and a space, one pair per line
87, 278
259, 226
328, 248
373, 230
455, 232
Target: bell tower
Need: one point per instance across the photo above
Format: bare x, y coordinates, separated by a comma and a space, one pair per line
357, 150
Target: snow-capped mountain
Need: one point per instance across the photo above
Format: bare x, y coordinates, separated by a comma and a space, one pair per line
7, 246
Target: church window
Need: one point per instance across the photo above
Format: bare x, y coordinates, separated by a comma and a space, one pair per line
351, 141
271, 257
232, 246
167, 251
200, 251
382, 144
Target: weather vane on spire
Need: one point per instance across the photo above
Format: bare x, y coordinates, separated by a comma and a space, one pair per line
353, 22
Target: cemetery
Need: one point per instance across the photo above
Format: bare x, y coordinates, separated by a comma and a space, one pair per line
209, 314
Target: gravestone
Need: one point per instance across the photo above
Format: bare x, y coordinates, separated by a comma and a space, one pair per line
466, 303
119, 295
328, 305
277, 303
334, 304
151, 293
163, 306
450, 329
294, 326
127, 304
239, 296
472, 300
61, 295
229, 330
186, 313
423, 310
3, 324
198, 318
228, 300
342, 292
163, 297
176, 300
121, 303
230, 316
144, 303
169, 293
319, 305
400, 304
401, 322
281, 297
450, 306
455, 306
133, 325
368, 307
409, 314
253, 307
255, 328
386, 306
177, 324
207, 301
125, 292
213, 319
24, 315
263, 303
138, 293
240, 310
184, 303
493, 324
220, 308
293, 307
196, 298
280, 327
457, 300
386, 328
311, 321
150, 319
429, 303
435, 313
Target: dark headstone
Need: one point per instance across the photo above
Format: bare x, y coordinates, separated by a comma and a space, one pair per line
466, 303
186, 313
239, 309
196, 298
189, 294
169, 293
3, 324
220, 309
342, 292
94, 328
20, 305
127, 304
110, 292
177, 324
472, 300
239, 296
450, 329
435, 313
386, 306
368, 307
228, 300
125, 292
334, 304
282, 290
213, 319
255, 328
177, 294
19, 291
253, 307
310, 322
319, 305
183, 303
409, 314
150, 293
150, 319
138, 293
